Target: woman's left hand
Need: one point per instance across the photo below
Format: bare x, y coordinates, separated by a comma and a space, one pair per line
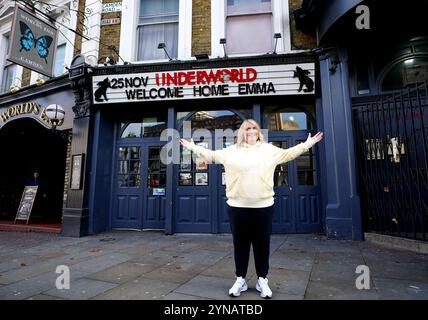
311, 141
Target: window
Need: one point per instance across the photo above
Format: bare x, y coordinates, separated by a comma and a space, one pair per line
281, 178
249, 26
306, 167
9, 71
59, 60
129, 167
406, 73
194, 170
149, 127
156, 170
289, 119
158, 23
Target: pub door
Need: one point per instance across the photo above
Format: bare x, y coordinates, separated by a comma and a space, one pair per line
296, 186
140, 186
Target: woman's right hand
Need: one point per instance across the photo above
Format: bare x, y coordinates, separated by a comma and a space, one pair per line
187, 144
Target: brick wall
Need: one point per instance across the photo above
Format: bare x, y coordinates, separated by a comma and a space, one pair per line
79, 28
201, 27
26, 77
109, 35
299, 40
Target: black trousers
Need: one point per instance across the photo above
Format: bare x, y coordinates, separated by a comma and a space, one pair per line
251, 226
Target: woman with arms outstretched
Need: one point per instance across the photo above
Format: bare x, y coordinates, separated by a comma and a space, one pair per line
249, 168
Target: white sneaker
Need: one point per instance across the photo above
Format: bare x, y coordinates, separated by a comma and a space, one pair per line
263, 287
239, 286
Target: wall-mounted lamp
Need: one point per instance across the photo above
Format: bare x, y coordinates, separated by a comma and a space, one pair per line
114, 49
56, 114
223, 42
202, 56
40, 81
334, 62
109, 61
276, 36
163, 46
14, 88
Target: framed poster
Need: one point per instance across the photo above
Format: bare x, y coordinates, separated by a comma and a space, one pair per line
76, 171
201, 178
26, 204
201, 164
186, 160
185, 179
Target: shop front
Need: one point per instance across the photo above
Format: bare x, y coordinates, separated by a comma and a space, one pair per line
29, 145
142, 179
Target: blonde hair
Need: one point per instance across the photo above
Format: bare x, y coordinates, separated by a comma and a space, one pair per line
241, 132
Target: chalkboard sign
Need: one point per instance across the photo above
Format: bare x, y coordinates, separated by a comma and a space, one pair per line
26, 204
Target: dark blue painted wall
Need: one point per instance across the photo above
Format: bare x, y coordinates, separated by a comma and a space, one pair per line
101, 175
343, 215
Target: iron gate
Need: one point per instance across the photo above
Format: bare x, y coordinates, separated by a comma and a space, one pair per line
391, 132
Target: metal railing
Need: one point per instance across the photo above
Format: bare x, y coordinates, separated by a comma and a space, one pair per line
391, 136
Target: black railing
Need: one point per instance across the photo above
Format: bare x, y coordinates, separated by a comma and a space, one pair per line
391, 133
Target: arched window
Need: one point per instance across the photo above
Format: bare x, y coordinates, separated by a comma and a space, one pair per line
194, 171
211, 120
149, 127
289, 119
408, 72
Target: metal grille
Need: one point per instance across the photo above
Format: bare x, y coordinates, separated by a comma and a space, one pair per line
391, 132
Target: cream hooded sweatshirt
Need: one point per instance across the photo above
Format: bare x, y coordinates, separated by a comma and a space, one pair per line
249, 170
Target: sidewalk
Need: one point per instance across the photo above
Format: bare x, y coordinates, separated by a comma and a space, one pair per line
151, 265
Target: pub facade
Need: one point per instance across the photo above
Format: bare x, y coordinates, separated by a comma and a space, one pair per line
156, 71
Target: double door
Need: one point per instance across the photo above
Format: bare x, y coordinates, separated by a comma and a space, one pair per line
297, 192
201, 203
139, 198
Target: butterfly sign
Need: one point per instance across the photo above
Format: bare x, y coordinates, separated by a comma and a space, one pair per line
28, 41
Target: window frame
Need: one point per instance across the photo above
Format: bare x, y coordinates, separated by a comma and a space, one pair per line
17, 78
281, 24
68, 40
128, 50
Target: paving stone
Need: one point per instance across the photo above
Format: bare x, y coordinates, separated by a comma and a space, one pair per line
338, 290
146, 265
207, 287
123, 272
82, 289
285, 261
180, 296
33, 286
288, 282
100, 263
397, 270
204, 257
139, 289
43, 297
394, 289
176, 272
158, 258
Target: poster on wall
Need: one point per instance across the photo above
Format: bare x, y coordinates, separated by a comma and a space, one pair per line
185, 179
201, 178
33, 42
